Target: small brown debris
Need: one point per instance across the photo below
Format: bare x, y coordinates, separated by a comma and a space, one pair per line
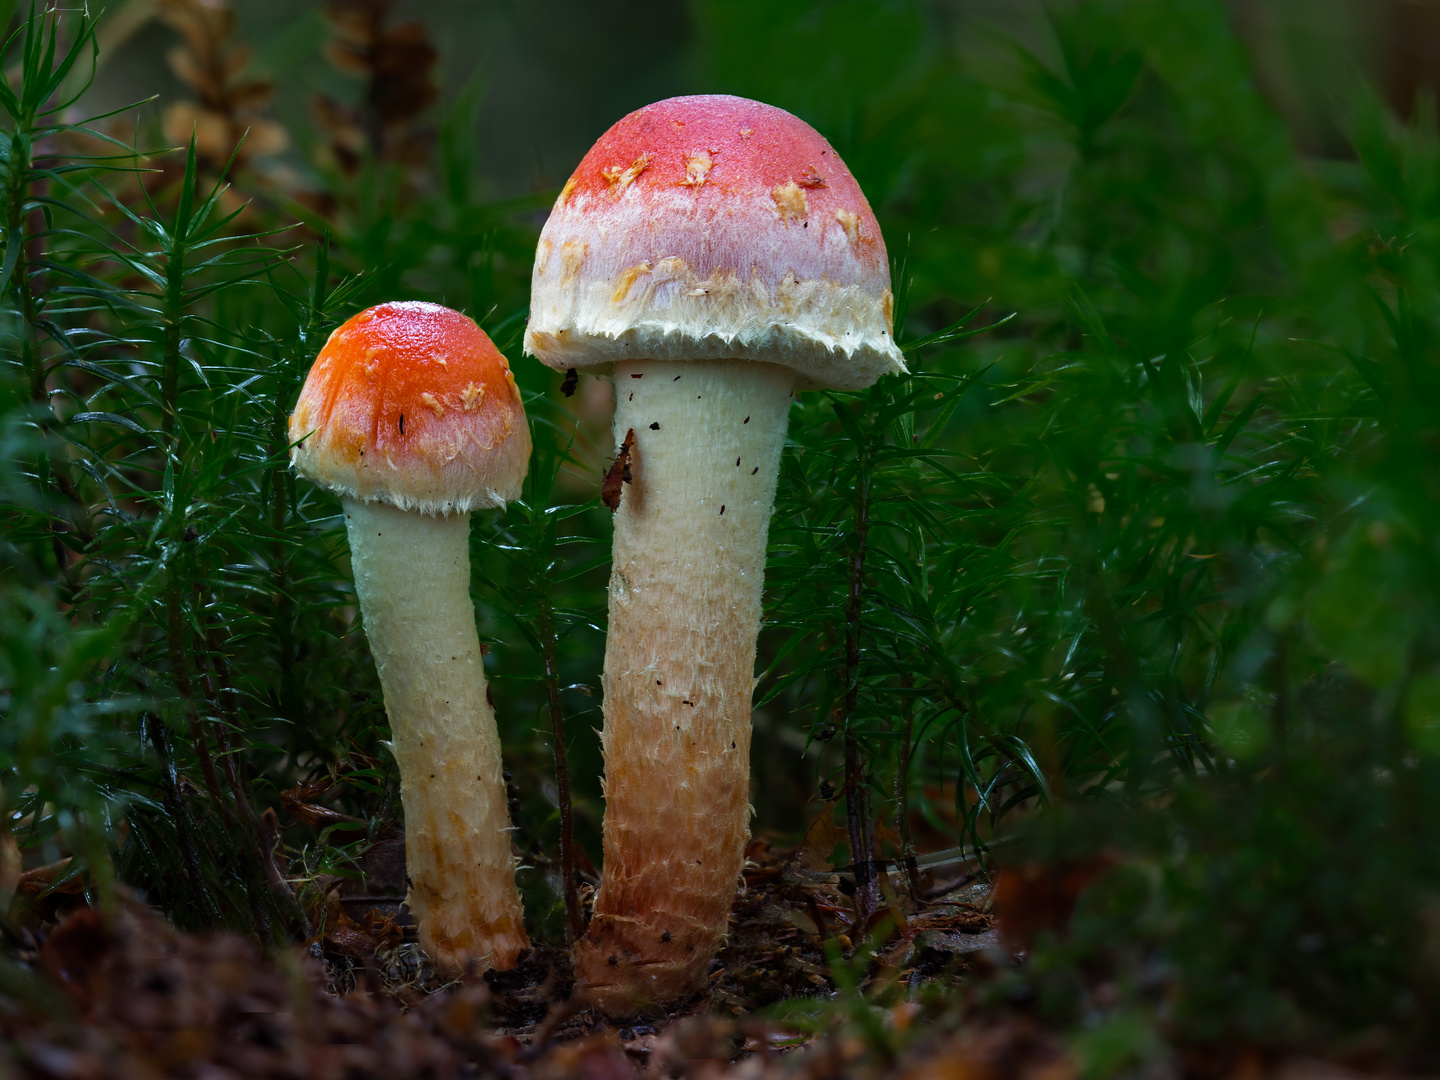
812, 178
655, 426
572, 377
618, 473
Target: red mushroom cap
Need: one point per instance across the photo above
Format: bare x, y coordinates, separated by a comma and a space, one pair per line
411, 404
712, 227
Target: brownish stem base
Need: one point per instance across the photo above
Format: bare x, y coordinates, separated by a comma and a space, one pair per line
685, 596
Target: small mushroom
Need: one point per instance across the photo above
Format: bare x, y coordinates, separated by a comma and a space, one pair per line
709, 247
411, 415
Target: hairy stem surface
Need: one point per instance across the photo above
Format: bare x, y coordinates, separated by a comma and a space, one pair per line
685, 591
412, 574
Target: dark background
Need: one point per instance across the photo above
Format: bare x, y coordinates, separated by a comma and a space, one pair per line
556, 73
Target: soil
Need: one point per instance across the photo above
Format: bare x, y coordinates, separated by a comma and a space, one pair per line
121, 993
87, 994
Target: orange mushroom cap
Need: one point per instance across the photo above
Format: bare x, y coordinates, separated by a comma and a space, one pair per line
411, 404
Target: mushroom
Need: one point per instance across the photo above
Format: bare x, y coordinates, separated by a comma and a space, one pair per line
715, 255
412, 416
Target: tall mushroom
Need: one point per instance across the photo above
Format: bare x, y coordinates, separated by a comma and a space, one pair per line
412, 416
715, 254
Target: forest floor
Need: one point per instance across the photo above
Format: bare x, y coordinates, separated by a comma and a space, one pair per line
122, 994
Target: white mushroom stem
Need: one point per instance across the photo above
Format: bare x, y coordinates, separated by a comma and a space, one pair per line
685, 591
412, 574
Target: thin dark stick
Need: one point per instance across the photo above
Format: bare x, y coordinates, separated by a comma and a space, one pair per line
225, 704
902, 794
280, 554
556, 1015
174, 806
179, 671
268, 829
226, 707
857, 801
255, 861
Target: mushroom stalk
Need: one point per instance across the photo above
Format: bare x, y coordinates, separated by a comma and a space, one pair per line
412, 575
685, 593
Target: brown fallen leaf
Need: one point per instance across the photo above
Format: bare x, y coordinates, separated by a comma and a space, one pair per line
296, 802
43, 878
345, 936
75, 953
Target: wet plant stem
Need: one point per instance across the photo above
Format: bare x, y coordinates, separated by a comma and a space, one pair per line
281, 480
174, 306
24, 230
280, 555
17, 191
574, 917
170, 370
174, 300
857, 801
